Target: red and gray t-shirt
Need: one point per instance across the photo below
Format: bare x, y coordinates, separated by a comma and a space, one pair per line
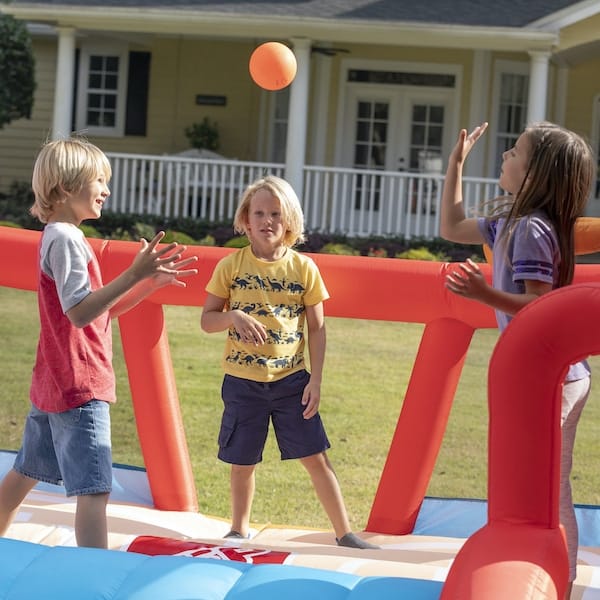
73, 365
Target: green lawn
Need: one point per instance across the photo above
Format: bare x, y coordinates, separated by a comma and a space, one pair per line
367, 370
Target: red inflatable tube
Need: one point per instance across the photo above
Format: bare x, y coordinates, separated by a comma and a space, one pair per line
521, 552
360, 287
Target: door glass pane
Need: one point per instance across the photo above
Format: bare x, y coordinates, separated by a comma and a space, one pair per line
436, 114
427, 129
371, 134
370, 149
363, 131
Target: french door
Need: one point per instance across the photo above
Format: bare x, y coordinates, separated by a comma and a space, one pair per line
392, 128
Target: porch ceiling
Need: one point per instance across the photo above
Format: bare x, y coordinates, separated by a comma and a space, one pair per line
175, 21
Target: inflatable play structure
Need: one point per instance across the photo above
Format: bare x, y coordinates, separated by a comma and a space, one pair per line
514, 550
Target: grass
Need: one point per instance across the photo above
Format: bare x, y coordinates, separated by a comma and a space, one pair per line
368, 366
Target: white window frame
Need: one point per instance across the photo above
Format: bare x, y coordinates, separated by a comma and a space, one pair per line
501, 67
87, 50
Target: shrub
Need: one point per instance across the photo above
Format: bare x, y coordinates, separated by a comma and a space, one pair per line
179, 237
144, 230
240, 241
204, 134
337, 248
90, 231
422, 253
207, 240
18, 70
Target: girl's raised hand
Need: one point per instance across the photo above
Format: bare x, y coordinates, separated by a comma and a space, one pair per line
466, 141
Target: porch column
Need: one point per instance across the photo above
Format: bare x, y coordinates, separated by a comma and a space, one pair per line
560, 102
538, 85
65, 74
478, 112
295, 153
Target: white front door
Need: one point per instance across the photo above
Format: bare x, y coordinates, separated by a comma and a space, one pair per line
392, 128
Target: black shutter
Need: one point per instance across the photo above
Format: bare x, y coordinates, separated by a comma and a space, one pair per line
75, 85
136, 111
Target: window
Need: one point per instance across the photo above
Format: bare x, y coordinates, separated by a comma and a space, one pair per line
112, 91
512, 112
279, 125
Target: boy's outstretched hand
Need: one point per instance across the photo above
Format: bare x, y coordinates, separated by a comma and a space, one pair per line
164, 265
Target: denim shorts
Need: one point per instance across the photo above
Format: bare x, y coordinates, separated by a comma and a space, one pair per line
249, 406
71, 448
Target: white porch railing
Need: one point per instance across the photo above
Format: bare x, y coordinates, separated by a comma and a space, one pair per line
355, 202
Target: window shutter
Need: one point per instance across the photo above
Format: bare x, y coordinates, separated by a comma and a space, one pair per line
75, 88
136, 110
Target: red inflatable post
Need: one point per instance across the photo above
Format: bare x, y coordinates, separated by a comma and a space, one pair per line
157, 410
521, 552
421, 426
153, 389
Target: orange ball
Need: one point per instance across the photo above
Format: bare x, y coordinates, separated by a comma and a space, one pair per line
273, 66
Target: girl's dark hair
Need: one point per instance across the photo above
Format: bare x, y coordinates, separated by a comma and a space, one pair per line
558, 181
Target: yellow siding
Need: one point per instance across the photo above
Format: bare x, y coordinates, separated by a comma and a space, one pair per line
182, 69
218, 68
583, 87
580, 33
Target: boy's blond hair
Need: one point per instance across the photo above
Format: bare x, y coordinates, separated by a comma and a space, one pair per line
291, 210
62, 167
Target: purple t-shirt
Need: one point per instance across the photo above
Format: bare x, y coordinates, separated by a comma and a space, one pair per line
532, 253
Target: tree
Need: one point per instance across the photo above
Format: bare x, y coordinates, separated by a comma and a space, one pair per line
17, 80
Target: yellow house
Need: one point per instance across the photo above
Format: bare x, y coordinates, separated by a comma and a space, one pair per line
381, 85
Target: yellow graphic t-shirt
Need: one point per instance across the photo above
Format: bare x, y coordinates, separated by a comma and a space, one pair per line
276, 294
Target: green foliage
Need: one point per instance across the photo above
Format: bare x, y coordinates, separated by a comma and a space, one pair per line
179, 237
10, 224
337, 248
207, 240
422, 253
17, 80
14, 206
203, 135
240, 241
143, 230
90, 231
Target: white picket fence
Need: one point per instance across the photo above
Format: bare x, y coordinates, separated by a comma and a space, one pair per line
355, 202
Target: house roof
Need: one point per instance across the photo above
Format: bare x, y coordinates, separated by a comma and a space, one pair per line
512, 25
500, 13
